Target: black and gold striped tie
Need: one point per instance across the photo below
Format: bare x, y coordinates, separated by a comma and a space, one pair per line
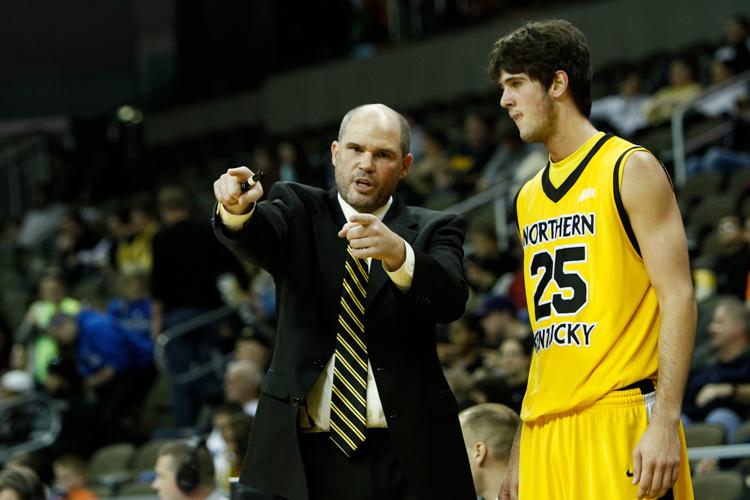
349, 397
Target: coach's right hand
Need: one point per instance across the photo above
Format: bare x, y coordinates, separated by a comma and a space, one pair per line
228, 191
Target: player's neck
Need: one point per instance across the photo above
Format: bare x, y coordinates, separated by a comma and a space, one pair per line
572, 130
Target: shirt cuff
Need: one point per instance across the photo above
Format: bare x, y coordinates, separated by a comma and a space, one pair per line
403, 276
231, 221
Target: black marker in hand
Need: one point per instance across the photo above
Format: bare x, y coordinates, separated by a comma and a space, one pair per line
245, 186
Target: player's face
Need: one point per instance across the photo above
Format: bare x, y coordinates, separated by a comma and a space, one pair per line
529, 106
368, 161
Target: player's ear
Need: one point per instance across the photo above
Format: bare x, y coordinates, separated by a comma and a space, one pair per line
559, 84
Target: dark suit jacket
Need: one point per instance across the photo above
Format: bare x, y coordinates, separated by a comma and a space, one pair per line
293, 236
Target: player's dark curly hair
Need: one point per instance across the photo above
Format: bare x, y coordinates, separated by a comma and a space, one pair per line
539, 49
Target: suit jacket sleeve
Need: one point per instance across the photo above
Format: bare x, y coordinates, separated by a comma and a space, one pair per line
262, 240
439, 286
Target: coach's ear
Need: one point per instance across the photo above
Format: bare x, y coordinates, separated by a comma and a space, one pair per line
559, 84
408, 161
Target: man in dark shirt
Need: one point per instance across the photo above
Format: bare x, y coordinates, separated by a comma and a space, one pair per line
187, 261
732, 264
710, 392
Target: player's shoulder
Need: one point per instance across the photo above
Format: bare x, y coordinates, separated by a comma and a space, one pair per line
645, 181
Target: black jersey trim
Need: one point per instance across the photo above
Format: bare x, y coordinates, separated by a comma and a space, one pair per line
515, 210
556, 194
618, 200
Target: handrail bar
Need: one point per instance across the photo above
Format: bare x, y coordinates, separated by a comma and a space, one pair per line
40, 439
678, 127
723, 451
170, 334
478, 199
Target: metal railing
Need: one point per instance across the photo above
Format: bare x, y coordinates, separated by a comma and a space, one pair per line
680, 148
498, 194
40, 417
165, 338
723, 451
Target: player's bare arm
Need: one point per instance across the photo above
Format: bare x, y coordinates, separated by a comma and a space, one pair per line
655, 218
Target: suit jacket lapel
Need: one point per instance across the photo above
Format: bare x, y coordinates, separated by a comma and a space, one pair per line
331, 250
400, 221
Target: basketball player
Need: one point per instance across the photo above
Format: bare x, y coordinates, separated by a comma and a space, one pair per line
608, 287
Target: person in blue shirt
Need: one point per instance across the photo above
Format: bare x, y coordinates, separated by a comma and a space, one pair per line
131, 310
116, 365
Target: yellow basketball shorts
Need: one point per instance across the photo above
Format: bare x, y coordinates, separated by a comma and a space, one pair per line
587, 453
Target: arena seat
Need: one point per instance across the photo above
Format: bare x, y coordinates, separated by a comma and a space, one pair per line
719, 485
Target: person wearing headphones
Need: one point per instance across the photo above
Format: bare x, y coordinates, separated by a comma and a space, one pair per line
20, 483
185, 471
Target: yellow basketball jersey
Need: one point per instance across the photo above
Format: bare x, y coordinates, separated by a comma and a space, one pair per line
594, 313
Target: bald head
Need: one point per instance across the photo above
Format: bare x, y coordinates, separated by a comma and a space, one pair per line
386, 115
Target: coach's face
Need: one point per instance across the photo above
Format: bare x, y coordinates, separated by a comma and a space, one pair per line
367, 159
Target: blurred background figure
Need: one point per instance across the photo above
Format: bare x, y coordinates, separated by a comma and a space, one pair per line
242, 381
710, 392
736, 47
507, 373
431, 174
132, 249
21, 483
131, 309
499, 321
486, 264
182, 290
463, 351
34, 348
251, 345
221, 426
116, 366
732, 263
682, 87
489, 430
201, 483
70, 479
623, 112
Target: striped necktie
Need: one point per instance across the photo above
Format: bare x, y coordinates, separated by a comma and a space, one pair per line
349, 397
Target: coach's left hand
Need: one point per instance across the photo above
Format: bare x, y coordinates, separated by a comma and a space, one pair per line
656, 459
369, 237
